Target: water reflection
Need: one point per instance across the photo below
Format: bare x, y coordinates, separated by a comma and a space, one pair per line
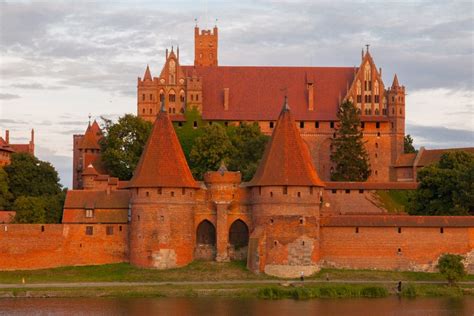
221, 306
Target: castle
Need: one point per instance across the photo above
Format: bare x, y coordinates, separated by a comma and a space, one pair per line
286, 220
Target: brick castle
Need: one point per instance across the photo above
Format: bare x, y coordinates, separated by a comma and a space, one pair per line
287, 219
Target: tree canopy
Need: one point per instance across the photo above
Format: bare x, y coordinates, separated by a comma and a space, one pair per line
349, 154
408, 147
31, 187
123, 143
446, 187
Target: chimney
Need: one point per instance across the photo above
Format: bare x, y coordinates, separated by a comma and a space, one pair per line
7, 136
310, 87
226, 99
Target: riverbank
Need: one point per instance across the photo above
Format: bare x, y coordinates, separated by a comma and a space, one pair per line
296, 290
196, 271
211, 279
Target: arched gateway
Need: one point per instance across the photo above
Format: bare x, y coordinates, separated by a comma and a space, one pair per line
238, 240
205, 241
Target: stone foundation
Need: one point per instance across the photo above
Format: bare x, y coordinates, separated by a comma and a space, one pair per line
164, 259
287, 271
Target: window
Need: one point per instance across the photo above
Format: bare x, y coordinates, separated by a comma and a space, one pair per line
151, 97
109, 230
89, 213
192, 97
377, 125
301, 124
333, 191
376, 145
376, 98
42, 228
197, 97
357, 230
359, 98
120, 228
285, 190
348, 191
271, 194
195, 124
361, 190
180, 124
299, 194
147, 193
316, 124
226, 123
183, 191
271, 124
271, 220
441, 230
151, 111
362, 124
172, 97
89, 230
181, 98
172, 193
331, 124
399, 230
143, 97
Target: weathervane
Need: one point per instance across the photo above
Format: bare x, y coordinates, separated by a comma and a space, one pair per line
196, 21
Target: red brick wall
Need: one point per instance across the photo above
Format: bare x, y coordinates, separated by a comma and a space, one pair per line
377, 247
25, 246
99, 216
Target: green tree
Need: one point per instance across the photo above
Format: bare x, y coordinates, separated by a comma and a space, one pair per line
123, 143
5, 196
349, 155
209, 150
248, 146
30, 210
451, 267
408, 145
447, 187
29, 176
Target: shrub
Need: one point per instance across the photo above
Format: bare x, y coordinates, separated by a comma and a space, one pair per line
374, 291
451, 267
409, 290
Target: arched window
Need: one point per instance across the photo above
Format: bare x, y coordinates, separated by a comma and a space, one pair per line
172, 72
206, 233
239, 234
359, 91
367, 77
172, 96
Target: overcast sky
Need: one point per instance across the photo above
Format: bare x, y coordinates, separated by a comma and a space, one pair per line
60, 61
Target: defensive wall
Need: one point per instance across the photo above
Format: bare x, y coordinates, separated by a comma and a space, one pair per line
37, 246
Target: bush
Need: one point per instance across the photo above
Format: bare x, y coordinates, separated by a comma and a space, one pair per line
374, 291
451, 267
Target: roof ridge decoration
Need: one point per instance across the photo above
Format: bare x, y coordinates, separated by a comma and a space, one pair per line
162, 163
286, 160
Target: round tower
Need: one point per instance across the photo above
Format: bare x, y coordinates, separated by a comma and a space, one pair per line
162, 202
285, 194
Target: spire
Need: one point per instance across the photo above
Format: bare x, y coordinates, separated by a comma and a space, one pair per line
395, 82
147, 74
286, 107
162, 163
91, 137
286, 160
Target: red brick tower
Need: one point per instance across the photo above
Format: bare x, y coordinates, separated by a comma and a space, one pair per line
147, 98
86, 151
286, 196
205, 47
396, 113
162, 202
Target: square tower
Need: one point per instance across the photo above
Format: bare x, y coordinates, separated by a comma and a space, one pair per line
205, 47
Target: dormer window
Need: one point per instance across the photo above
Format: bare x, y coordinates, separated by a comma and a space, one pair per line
89, 213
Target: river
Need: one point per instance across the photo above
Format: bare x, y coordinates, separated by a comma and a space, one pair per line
227, 306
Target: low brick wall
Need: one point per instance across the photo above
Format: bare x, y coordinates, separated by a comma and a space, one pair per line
37, 246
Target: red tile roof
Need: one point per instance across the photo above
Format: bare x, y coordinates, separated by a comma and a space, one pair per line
286, 160
90, 171
371, 185
20, 148
91, 137
430, 156
397, 221
255, 92
97, 199
162, 163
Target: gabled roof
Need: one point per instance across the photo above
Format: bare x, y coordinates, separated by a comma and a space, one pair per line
255, 92
430, 156
162, 163
405, 160
97, 199
286, 160
91, 137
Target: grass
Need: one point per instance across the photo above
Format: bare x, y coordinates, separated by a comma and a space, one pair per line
196, 271
394, 201
323, 291
124, 272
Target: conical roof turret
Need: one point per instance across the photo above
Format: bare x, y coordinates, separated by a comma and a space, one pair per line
162, 163
286, 160
147, 75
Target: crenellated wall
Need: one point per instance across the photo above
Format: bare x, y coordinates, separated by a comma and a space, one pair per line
38, 246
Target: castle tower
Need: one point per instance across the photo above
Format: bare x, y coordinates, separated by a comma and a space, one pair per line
88, 177
162, 202
86, 151
171, 85
286, 195
147, 97
396, 113
205, 47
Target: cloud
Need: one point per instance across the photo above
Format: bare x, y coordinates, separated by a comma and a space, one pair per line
440, 137
35, 86
9, 96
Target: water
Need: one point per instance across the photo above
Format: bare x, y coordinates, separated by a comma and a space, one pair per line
227, 306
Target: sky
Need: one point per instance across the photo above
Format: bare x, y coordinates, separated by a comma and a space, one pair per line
63, 61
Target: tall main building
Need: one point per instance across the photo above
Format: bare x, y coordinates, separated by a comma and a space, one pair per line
233, 94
